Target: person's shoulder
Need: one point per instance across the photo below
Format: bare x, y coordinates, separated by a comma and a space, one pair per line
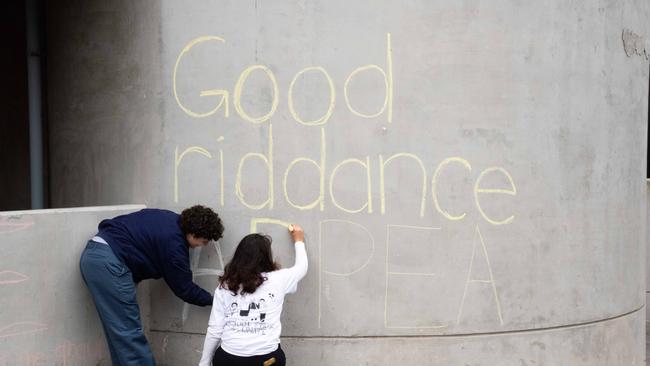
158, 211
224, 293
222, 289
165, 221
277, 275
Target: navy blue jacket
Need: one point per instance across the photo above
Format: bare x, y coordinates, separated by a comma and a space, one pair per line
150, 242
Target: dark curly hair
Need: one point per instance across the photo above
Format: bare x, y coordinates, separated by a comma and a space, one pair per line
201, 222
252, 257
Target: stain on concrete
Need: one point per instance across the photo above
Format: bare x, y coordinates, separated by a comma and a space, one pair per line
493, 137
539, 344
634, 44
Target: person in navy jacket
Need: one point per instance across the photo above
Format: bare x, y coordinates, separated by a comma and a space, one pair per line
150, 243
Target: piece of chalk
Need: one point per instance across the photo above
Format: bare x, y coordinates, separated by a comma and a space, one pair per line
290, 227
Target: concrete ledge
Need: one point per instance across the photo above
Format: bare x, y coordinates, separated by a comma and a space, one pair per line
73, 209
47, 316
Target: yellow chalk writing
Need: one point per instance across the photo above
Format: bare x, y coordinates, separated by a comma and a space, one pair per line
321, 170
510, 192
382, 184
364, 164
240, 86
179, 158
434, 193
223, 101
332, 100
268, 161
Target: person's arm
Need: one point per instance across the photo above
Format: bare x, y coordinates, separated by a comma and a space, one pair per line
178, 275
299, 269
214, 332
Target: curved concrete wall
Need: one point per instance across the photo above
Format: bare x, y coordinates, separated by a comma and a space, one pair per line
471, 175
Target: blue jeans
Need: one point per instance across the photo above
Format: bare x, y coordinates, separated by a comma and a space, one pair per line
111, 284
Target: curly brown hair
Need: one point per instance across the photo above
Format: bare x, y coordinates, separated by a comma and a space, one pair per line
201, 222
252, 257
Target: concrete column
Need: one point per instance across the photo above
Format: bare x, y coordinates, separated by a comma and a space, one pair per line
471, 175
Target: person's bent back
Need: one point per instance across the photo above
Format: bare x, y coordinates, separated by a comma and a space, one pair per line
127, 249
245, 319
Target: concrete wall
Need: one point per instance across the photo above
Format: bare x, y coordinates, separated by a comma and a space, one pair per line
47, 316
469, 174
104, 101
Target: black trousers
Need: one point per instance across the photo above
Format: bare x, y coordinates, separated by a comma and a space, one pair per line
223, 358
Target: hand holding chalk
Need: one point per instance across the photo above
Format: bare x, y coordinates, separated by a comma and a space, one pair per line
296, 232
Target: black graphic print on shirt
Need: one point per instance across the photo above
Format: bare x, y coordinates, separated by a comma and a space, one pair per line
249, 316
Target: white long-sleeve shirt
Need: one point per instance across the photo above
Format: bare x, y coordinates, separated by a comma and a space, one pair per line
249, 324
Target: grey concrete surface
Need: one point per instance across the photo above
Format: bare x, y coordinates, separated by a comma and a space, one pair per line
612, 342
104, 101
647, 343
47, 316
472, 168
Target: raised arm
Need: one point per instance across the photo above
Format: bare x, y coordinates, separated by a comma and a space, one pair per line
299, 269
